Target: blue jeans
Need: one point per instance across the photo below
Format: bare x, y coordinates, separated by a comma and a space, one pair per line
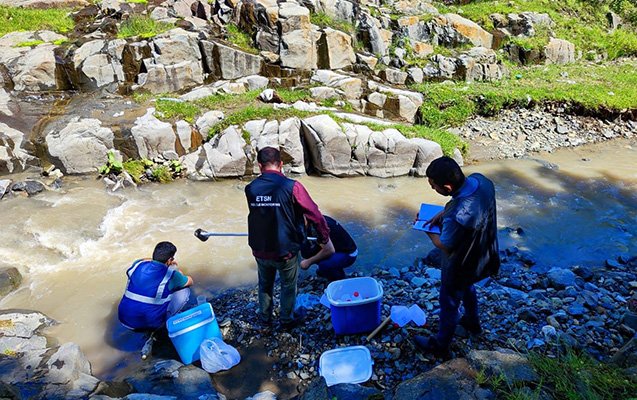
332, 268
288, 272
450, 300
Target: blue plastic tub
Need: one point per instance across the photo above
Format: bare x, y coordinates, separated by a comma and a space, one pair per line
355, 305
188, 329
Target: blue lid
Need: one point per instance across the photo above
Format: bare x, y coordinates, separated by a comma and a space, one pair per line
346, 365
197, 316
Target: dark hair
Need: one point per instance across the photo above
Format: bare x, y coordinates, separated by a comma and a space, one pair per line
268, 155
445, 171
164, 251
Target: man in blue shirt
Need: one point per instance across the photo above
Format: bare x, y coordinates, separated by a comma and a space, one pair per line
469, 245
156, 290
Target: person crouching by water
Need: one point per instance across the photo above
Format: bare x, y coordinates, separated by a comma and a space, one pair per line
469, 245
156, 290
331, 260
277, 207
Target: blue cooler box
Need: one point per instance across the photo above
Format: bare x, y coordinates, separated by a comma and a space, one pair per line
188, 329
355, 305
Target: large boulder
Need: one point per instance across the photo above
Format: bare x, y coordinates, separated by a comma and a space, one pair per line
228, 62
13, 158
299, 49
284, 135
328, 147
561, 278
395, 103
33, 69
224, 155
176, 63
80, 147
428, 150
172, 378
375, 38
153, 137
335, 50
514, 367
467, 28
454, 379
97, 63
559, 51
351, 86
384, 153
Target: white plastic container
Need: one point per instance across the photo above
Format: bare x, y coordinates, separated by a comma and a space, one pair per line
346, 365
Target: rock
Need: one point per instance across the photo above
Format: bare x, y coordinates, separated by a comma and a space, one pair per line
254, 82
171, 378
626, 356
97, 64
415, 75
528, 316
352, 391
10, 279
351, 86
31, 187
428, 150
560, 278
399, 104
454, 379
224, 155
514, 367
67, 364
293, 17
335, 50
152, 136
367, 61
321, 93
207, 121
285, 136
5, 184
467, 28
383, 154
33, 69
317, 390
329, 148
299, 50
80, 147
375, 38
13, 158
614, 20
394, 76
559, 51
228, 62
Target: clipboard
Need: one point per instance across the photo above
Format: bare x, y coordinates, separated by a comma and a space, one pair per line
427, 211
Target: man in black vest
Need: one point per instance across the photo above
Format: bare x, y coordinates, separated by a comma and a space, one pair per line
275, 233
469, 244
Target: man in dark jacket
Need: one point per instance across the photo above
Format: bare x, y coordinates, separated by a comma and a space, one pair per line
275, 233
469, 244
331, 261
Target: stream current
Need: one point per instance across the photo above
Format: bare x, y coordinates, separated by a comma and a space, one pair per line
575, 206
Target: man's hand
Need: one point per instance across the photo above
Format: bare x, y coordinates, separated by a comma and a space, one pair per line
436, 220
305, 264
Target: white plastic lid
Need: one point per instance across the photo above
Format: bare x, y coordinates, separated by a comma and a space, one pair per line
346, 365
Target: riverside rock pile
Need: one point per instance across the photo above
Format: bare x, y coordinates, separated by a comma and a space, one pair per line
526, 307
518, 132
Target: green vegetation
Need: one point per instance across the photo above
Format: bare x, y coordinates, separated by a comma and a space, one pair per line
294, 95
240, 39
325, 21
26, 19
112, 165
228, 101
582, 22
137, 169
137, 1
31, 43
570, 376
162, 174
168, 108
143, 27
252, 112
592, 86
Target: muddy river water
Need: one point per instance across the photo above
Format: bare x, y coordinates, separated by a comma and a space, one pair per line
575, 206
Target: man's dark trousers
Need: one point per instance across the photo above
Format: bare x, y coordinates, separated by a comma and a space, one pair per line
450, 300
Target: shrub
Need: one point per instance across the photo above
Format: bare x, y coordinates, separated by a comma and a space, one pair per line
143, 27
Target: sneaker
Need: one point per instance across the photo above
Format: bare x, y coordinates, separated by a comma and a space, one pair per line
473, 328
431, 346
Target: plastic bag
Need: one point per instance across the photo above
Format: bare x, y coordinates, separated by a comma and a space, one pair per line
402, 315
217, 356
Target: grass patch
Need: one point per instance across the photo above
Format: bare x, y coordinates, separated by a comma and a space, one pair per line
26, 19
575, 375
162, 174
240, 39
174, 109
225, 100
143, 27
325, 21
252, 112
137, 1
582, 22
293, 95
31, 43
137, 168
609, 86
